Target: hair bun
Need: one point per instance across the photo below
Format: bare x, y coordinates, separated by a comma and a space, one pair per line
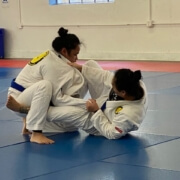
137, 75
62, 32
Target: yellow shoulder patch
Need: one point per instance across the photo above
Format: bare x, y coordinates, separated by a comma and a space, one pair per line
38, 58
118, 109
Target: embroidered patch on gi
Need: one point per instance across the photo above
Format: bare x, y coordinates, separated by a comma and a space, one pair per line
37, 59
119, 130
118, 109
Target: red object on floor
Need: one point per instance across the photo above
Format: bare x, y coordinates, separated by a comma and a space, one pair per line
111, 65
13, 63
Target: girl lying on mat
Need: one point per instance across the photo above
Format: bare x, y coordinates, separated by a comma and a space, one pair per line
118, 105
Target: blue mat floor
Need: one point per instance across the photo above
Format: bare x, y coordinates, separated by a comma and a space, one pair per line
151, 153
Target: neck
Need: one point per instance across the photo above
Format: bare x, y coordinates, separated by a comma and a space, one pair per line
129, 98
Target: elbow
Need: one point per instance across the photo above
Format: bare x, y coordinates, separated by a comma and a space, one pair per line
115, 135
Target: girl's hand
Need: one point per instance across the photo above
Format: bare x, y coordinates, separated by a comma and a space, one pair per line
91, 105
75, 65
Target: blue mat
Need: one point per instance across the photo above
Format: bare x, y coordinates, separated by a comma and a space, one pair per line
7, 114
151, 153
9, 72
70, 150
162, 156
110, 171
162, 123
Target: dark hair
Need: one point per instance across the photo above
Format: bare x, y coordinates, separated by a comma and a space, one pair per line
127, 80
65, 40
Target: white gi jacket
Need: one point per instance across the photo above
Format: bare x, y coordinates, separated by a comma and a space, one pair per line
67, 82
119, 117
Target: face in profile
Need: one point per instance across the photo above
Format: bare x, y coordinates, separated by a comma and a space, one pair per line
72, 55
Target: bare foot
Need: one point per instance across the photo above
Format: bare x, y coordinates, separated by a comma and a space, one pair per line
12, 104
25, 131
40, 138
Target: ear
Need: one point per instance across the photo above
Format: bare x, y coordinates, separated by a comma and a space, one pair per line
64, 52
123, 93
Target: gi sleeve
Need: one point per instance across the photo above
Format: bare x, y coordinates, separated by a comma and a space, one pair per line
59, 98
103, 77
115, 129
61, 76
98, 80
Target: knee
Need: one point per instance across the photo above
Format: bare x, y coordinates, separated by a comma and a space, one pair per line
92, 63
46, 86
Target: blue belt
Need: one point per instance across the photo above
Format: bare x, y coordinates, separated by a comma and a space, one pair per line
17, 86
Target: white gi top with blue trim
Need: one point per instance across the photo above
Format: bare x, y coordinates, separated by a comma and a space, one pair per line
67, 82
119, 117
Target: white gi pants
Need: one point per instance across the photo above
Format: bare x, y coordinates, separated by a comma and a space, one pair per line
72, 117
37, 97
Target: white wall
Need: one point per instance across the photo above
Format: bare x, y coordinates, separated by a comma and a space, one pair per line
117, 31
